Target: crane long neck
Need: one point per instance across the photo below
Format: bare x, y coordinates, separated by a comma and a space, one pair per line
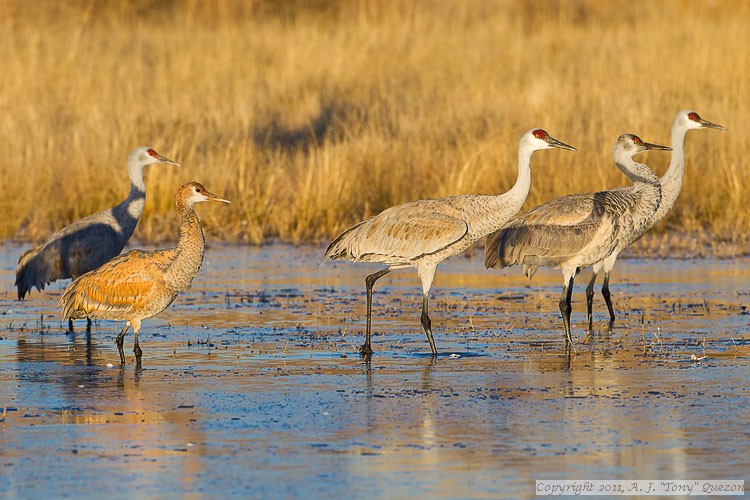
645, 184
520, 190
189, 251
129, 211
671, 182
490, 213
135, 172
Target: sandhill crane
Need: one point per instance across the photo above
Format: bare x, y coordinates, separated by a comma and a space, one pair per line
421, 234
90, 242
671, 183
579, 230
139, 284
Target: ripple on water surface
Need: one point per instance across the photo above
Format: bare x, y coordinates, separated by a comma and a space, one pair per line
251, 384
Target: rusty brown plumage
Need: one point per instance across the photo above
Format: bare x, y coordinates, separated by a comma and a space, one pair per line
125, 285
140, 284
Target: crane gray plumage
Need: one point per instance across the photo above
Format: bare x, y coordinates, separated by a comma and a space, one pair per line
421, 234
578, 230
671, 184
90, 242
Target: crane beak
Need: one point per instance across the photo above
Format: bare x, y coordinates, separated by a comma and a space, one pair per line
213, 197
708, 124
559, 144
164, 159
648, 146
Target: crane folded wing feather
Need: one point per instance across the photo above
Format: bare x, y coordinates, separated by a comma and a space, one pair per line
390, 237
109, 289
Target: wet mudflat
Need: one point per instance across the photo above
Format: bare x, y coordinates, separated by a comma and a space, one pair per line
251, 385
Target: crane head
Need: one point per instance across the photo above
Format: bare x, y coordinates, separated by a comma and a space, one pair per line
143, 156
692, 120
538, 139
633, 145
194, 192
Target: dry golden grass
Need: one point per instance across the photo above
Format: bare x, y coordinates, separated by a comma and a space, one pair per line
313, 115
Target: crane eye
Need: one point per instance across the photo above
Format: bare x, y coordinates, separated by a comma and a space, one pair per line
540, 134
637, 140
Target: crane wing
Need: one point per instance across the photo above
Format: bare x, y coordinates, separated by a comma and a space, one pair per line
88, 248
399, 235
70, 252
553, 232
127, 282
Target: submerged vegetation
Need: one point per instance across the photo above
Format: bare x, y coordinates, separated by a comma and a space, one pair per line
312, 115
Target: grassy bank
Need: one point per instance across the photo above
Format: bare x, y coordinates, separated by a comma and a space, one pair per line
312, 115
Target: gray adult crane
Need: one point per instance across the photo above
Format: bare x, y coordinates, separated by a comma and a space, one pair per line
576, 231
139, 284
421, 234
671, 184
90, 242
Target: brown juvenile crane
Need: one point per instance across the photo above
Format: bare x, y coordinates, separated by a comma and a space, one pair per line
90, 242
421, 234
139, 284
576, 231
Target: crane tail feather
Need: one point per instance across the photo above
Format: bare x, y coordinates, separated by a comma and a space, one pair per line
31, 272
72, 302
491, 247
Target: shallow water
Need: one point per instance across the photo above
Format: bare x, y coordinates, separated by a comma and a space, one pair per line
251, 384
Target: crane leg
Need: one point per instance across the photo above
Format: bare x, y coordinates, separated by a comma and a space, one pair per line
608, 300
70, 325
137, 348
366, 349
427, 324
566, 309
590, 303
120, 340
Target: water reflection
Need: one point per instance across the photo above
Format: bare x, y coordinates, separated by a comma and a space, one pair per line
251, 385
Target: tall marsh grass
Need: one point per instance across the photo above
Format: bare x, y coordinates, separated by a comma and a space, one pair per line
310, 115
